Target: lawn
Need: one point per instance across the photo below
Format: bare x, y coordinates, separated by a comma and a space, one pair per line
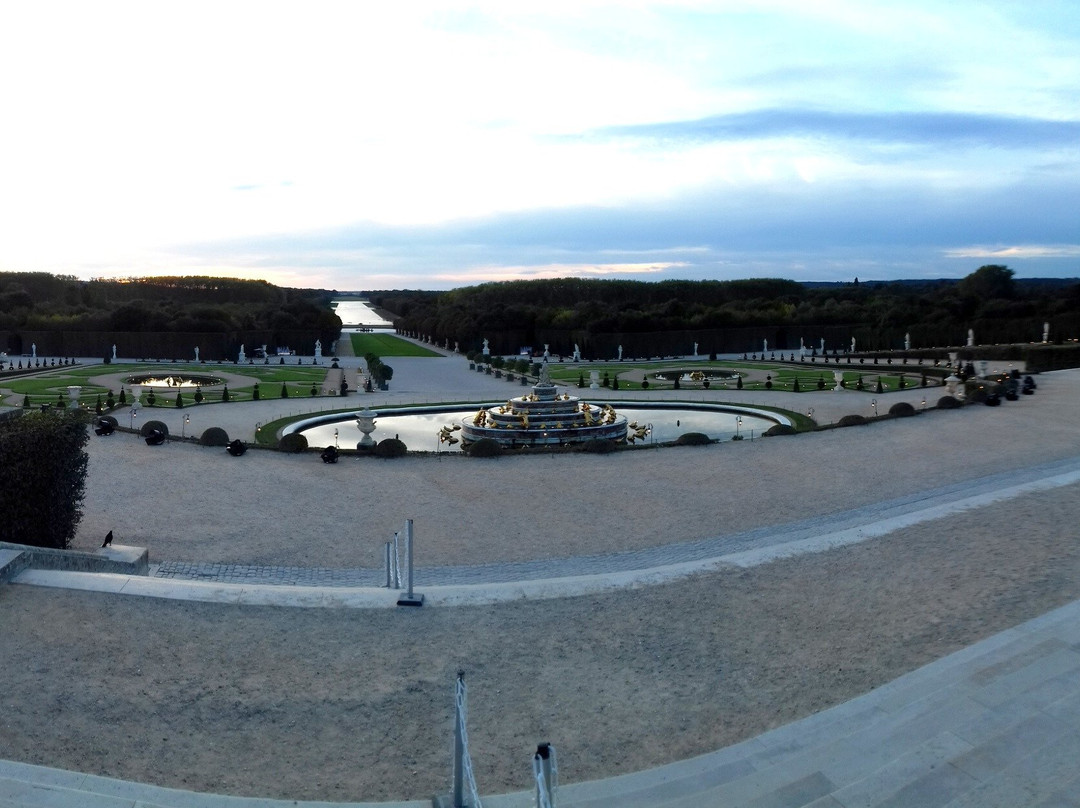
51, 387
383, 345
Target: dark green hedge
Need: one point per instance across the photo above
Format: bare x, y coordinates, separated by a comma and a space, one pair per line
42, 477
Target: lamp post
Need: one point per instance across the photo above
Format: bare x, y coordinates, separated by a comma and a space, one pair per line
738, 424
335, 439
183, 427
873, 404
131, 417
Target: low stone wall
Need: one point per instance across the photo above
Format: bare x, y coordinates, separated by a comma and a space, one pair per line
116, 559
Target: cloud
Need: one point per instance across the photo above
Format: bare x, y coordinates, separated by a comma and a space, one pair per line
1016, 251
935, 128
484, 274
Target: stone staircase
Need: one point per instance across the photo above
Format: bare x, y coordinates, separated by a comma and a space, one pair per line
995, 724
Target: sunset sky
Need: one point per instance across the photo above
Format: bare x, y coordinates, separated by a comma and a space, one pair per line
434, 145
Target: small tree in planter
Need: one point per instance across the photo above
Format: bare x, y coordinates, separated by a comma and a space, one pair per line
768, 382
314, 390
199, 395
110, 402
795, 386
179, 399
225, 393
284, 390
255, 394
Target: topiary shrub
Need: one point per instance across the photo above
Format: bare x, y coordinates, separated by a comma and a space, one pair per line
901, 409
214, 436
390, 447
948, 403
198, 395
693, 439
42, 478
255, 392
779, 429
598, 446
179, 400
485, 447
150, 426
852, 420
284, 390
644, 384
293, 442
225, 393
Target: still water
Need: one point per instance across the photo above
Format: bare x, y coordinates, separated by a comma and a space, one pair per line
354, 311
419, 429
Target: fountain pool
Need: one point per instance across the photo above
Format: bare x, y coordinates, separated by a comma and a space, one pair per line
419, 427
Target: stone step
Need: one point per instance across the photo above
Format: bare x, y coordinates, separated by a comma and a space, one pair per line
12, 562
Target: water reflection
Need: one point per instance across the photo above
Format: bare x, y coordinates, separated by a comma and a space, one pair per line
419, 430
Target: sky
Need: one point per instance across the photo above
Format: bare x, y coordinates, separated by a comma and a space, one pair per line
433, 145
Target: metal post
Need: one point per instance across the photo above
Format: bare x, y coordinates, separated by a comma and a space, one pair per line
459, 742
543, 765
409, 598
386, 547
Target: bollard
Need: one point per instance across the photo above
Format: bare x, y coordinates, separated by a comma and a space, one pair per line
546, 774
409, 598
386, 547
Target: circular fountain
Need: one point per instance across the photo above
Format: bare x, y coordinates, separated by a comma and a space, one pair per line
544, 417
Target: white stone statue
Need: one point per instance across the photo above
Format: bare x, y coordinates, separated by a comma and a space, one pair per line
620, 353
545, 375
547, 352
1046, 332
695, 349
456, 349
196, 353
907, 341
853, 344
802, 348
487, 350
823, 345
114, 350
764, 346
33, 350
971, 337
318, 350
577, 353
242, 356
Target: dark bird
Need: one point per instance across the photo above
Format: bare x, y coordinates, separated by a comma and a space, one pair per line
108, 539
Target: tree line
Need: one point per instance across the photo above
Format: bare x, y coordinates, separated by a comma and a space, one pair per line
728, 316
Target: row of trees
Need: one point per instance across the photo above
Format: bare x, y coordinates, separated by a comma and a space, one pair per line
606, 313
37, 301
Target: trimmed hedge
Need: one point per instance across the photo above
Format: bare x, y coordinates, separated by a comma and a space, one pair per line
901, 409
485, 447
948, 403
293, 442
150, 426
852, 420
43, 477
779, 429
693, 439
214, 436
391, 447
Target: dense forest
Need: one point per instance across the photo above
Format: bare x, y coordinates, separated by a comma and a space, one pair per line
649, 318
66, 316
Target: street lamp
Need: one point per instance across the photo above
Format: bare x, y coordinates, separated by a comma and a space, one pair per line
131, 418
335, 439
183, 428
738, 425
810, 412
873, 403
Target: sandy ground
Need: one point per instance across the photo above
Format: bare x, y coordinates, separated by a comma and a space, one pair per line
356, 705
